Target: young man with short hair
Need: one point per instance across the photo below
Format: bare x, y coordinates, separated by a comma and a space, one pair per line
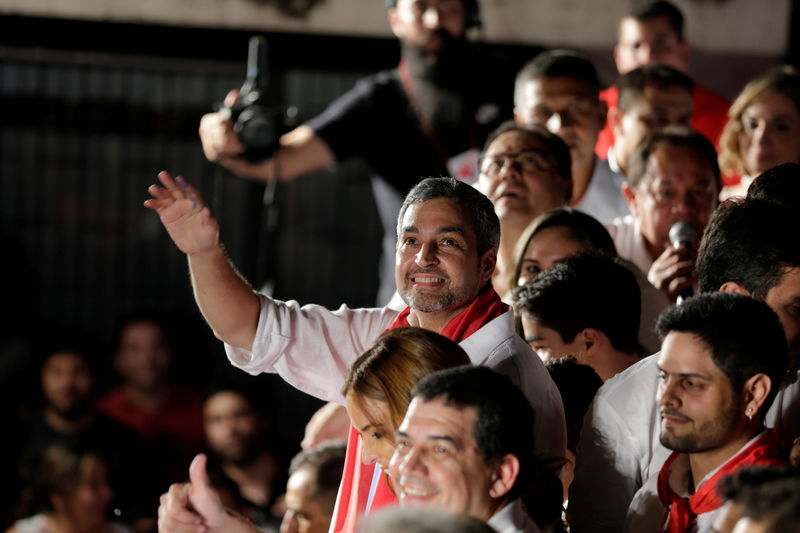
716, 382
586, 306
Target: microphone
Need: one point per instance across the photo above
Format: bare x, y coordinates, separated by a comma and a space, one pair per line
682, 233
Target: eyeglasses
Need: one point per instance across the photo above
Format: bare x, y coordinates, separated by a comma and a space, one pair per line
668, 196
524, 160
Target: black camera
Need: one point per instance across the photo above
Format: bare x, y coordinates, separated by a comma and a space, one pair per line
258, 124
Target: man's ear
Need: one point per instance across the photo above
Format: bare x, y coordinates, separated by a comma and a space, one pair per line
487, 263
756, 390
734, 287
592, 339
602, 112
504, 475
394, 22
630, 198
685, 50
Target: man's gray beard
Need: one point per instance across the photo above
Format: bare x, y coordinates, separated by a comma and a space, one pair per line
427, 303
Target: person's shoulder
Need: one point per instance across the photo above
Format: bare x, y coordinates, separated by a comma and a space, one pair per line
639, 376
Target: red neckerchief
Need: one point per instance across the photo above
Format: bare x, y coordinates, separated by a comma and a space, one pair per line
357, 477
427, 126
483, 309
683, 511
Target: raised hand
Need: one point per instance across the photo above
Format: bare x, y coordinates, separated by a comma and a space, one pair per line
195, 507
184, 214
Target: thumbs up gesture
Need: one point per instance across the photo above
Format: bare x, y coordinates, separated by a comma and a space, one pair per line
195, 507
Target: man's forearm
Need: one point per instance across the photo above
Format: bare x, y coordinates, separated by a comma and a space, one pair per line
226, 300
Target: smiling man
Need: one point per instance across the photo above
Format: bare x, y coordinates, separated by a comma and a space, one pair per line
464, 446
716, 382
448, 235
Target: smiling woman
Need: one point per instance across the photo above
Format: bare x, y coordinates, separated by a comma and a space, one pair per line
378, 386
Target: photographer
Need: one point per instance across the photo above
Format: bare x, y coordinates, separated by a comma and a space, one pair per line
432, 107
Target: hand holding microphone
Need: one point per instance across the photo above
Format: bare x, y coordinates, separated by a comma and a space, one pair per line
673, 271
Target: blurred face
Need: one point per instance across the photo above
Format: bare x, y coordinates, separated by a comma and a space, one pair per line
437, 265
372, 420
304, 514
86, 505
655, 108
547, 247
699, 409
421, 23
565, 106
677, 186
650, 41
547, 342
437, 462
231, 426
518, 175
143, 357
770, 133
67, 384
784, 299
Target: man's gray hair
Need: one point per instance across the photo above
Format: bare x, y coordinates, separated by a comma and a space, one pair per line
484, 220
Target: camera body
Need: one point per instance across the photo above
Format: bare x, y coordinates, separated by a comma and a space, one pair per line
258, 124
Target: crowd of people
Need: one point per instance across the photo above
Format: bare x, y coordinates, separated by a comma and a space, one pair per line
595, 324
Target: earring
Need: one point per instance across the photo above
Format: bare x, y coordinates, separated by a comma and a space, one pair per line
749, 414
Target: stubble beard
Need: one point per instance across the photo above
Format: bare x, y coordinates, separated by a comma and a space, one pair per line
709, 435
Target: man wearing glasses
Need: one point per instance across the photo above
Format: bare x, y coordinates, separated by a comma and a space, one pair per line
524, 171
559, 90
673, 177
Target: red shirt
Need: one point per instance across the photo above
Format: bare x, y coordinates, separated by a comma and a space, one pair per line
175, 429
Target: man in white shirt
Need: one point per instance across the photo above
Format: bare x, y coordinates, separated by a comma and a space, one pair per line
448, 236
673, 178
464, 447
749, 247
716, 382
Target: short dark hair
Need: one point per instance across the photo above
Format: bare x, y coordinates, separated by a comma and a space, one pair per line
327, 461
555, 145
556, 64
504, 425
585, 291
779, 184
770, 495
750, 242
676, 136
484, 220
577, 385
645, 10
632, 84
725, 323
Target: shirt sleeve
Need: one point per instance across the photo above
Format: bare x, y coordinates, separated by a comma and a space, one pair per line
310, 347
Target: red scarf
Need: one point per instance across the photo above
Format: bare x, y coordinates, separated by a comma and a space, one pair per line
357, 477
683, 511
